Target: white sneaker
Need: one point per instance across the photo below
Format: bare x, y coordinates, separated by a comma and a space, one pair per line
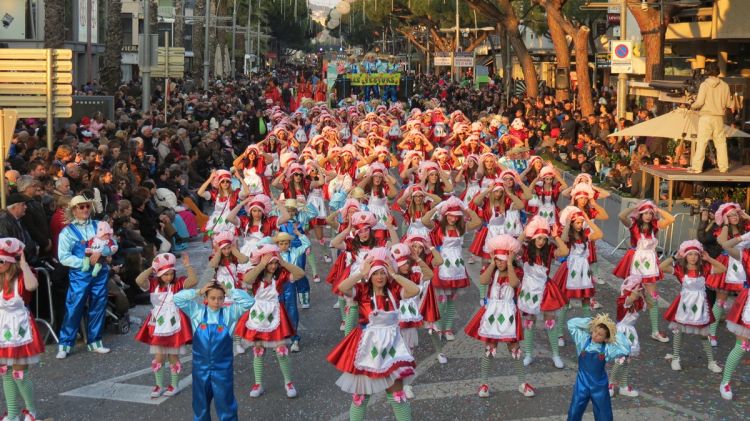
726, 391
327, 258
316, 279
558, 361
595, 304
527, 360
239, 349
660, 337
171, 391
28, 415
101, 350
61, 355
291, 392
442, 359
305, 306
256, 391
676, 364
611, 390
484, 391
526, 390
629, 392
156, 392
560, 341
449, 336
336, 304
408, 392
295, 346
342, 327
599, 281
714, 367
713, 341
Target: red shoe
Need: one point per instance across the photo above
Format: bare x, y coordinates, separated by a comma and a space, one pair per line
484, 391
156, 392
171, 391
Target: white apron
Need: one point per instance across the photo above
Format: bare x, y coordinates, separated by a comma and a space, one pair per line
579, 273
532, 288
253, 181
408, 308
545, 208
395, 131
416, 227
453, 261
315, 198
626, 326
735, 272
513, 224
746, 313
381, 344
499, 318
644, 258
472, 189
495, 226
264, 315
165, 317
379, 207
693, 308
439, 130
15, 329
226, 275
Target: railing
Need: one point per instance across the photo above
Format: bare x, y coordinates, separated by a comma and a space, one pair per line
44, 277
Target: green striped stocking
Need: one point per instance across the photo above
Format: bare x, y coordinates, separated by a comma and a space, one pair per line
258, 365
586, 307
357, 412
283, 359
733, 360
442, 308
402, 409
518, 366
11, 395
342, 308
312, 261
653, 312
708, 350
437, 342
26, 389
175, 369
484, 369
614, 375
157, 368
562, 321
483, 291
625, 374
450, 312
351, 319
718, 310
528, 342
677, 345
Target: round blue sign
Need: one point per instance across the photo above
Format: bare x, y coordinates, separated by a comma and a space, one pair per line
621, 51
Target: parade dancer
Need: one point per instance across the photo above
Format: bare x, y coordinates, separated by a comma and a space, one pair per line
167, 329
253, 164
340, 219
644, 222
498, 319
420, 310
539, 296
86, 290
378, 289
20, 343
415, 203
629, 304
300, 215
469, 173
213, 370
733, 222
293, 253
738, 318
574, 274
546, 187
448, 234
257, 221
379, 187
597, 342
689, 311
225, 258
222, 195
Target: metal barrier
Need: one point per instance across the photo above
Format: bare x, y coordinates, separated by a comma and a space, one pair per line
43, 273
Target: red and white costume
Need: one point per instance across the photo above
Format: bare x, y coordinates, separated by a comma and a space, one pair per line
574, 276
538, 294
420, 310
690, 312
641, 259
544, 201
452, 273
735, 276
627, 314
738, 318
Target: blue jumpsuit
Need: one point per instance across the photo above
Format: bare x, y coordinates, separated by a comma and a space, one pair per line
213, 370
84, 288
592, 383
296, 255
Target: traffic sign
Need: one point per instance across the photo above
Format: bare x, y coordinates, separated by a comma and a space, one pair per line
171, 58
622, 56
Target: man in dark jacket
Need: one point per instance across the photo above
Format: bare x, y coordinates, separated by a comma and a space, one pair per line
11, 226
35, 218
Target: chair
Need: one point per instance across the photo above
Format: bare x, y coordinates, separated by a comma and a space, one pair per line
44, 277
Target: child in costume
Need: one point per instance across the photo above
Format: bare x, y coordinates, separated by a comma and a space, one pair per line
644, 222
225, 258
378, 290
539, 296
597, 342
629, 304
20, 342
738, 318
689, 311
167, 329
448, 233
292, 253
212, 323
224, 197
499, 320
267, 325
102, 240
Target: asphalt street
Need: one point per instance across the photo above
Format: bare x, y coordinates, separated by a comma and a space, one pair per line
115, 386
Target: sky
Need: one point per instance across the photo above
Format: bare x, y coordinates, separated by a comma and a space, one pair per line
326, 3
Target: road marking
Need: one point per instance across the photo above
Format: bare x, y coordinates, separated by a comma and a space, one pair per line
468, 387
648, 412
114, 389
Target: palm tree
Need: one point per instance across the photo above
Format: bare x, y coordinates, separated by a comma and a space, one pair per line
198, 33
111, 73
179, 27
54, 14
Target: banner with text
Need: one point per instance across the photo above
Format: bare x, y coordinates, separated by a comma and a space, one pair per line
365, 79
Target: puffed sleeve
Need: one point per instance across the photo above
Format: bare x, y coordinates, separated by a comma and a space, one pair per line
65, 245
579, 330
185, 301
620, 348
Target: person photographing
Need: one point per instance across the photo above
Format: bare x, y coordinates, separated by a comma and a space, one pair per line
712, 101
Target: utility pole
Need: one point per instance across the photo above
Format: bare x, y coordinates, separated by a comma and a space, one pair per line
234, 36
146, 71
258, 39
458, 41
622, 78
248, 40
206, 47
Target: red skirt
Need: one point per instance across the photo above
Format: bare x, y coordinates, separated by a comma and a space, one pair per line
477, 246
31, 349
450, 284
561, 280
472, 328
285, 329
553, 298
318, 222
336, 268
182, 337
429, 308
592, 246
343, 355
672, 312
718, 280
735, 313
622, 270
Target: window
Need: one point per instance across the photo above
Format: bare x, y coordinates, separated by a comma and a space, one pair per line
126, 26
